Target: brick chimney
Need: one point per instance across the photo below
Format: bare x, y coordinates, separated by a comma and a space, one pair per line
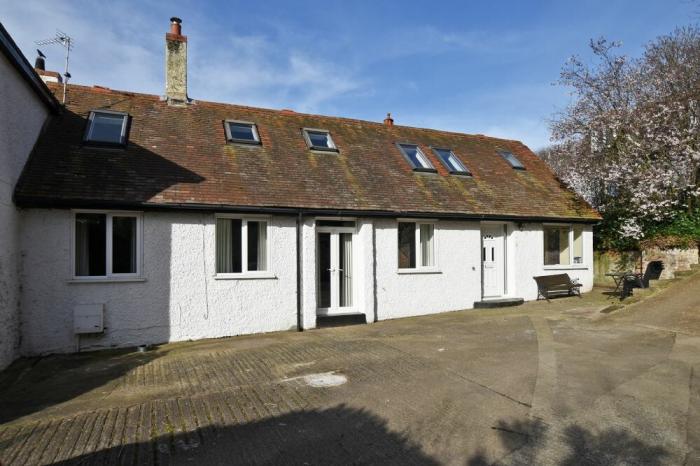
388, 121
176, 64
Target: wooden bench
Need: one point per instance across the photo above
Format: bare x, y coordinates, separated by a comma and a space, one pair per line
558, 284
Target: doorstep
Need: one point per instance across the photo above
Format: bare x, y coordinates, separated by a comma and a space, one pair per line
496, 303
339, 320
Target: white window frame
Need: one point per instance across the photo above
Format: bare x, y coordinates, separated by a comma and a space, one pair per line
419, 253
254, 129
245, 273
91, 119
570, 265
332, 148
109, 276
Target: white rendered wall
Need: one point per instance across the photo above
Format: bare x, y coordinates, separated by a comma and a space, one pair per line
180, 298
527, 248
22, 115
456, 286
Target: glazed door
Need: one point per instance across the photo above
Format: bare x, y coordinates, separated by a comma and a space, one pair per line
335, 272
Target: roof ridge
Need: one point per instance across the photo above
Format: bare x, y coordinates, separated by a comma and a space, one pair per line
287, 112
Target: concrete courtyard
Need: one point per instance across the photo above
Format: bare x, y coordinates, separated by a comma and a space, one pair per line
543, 383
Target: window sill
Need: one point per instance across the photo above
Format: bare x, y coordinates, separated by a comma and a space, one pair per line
246, 276
245, 142
106, 280
566, 267
426, 270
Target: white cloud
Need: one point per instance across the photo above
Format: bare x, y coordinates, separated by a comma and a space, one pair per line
255, 71
121, 46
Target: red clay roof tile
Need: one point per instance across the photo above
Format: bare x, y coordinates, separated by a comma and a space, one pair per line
179, 155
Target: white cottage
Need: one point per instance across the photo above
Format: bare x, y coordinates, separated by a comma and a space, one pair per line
148, 219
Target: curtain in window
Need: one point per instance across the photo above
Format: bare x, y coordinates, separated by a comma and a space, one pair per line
407, 245
345, 269
578, 245
262, 246
82, 245
426, 245
224, 240
90, 244
564, 246
551, 246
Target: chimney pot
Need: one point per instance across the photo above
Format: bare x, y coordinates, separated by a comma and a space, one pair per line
176, 26
388, 121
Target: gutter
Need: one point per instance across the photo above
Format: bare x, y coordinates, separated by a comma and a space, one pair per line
41, 202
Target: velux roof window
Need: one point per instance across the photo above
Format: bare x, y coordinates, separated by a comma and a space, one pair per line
416, 157
451, 162
242, 131
319, 139
512, 159
107, 127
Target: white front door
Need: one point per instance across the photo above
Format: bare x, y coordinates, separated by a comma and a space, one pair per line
493, 260
335, 271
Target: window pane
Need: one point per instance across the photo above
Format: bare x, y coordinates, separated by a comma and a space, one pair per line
345, 266
511, 159
242, 131
556, 245
451, 161
324, 270
106, 127
426, 245
228, 245
551, 246
407, 245
320, 139
257, 246
578, 245
123, 245
90, 244
416, 157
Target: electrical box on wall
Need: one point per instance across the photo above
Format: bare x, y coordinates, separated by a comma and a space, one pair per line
88, 318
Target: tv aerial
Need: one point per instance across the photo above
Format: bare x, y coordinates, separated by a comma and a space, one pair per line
63, 39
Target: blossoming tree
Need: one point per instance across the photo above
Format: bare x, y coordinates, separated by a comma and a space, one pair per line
629, 141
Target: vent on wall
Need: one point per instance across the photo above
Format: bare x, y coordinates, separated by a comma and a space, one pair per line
88, 318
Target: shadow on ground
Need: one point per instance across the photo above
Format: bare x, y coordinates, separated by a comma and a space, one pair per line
528, 441
337, 435
31, 385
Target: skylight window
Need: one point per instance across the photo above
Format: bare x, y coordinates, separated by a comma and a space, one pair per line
242, 131
451, 162
416, 157
107, 127
319, 139
512, 160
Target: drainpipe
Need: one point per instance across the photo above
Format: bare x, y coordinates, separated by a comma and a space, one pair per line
300, 326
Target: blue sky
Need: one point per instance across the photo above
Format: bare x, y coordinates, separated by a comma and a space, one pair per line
474, 67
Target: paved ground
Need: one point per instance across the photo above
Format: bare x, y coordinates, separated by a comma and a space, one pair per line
556, 383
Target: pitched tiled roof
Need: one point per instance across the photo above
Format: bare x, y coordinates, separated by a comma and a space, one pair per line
179, 156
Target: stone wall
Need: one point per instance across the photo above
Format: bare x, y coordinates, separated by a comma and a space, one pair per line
672, 260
